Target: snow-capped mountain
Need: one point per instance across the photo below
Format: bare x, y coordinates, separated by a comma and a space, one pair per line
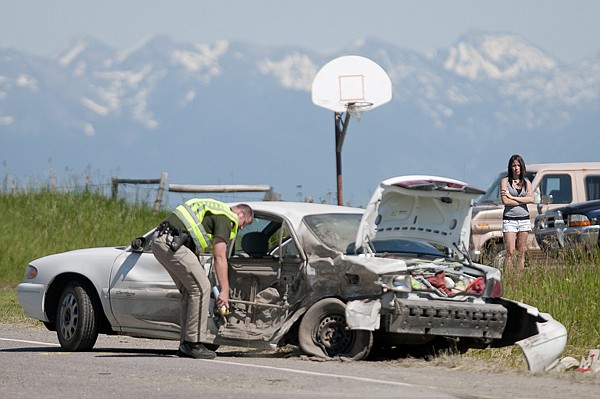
236, 113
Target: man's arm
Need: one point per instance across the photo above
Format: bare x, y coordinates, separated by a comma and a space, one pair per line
221, 268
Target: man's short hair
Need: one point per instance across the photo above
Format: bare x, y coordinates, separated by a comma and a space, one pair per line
246, 208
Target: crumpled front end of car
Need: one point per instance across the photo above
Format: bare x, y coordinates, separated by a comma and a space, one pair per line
475, 314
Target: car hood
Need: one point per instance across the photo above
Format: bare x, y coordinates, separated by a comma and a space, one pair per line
428, 208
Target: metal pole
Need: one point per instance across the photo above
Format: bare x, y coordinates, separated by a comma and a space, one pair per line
340, 135
338, 158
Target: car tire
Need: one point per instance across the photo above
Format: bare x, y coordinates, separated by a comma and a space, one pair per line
498, 261
323, 332
491, 252
77, 317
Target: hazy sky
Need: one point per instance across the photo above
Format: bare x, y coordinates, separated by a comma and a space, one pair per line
566, 29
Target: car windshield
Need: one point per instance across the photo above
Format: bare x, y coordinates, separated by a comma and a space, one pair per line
401, 246
492, 194
337, 231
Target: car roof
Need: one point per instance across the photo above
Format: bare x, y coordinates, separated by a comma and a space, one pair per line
563, 166
294, 212
534, 167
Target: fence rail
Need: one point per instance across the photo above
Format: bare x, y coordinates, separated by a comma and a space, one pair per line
9, 186
161, 189
231, 188
270, 195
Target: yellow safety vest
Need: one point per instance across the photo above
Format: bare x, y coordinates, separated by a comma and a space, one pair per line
192, 212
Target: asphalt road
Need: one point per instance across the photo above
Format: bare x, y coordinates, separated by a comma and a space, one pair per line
32, 364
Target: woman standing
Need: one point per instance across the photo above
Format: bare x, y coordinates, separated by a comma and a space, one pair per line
516, 193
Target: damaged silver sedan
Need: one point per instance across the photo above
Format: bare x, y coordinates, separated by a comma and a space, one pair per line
334, 281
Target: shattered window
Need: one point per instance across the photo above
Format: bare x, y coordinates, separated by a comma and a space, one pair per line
337, 231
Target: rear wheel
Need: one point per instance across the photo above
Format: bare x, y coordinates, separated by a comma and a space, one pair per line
491, 252
323, 332
77, 317
498, 261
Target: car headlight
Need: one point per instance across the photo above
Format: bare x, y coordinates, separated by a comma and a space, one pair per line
399, 283
31, 272
578, 221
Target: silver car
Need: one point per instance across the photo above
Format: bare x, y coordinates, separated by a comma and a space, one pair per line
333, 281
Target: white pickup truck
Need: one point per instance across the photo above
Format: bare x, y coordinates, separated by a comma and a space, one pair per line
554, 185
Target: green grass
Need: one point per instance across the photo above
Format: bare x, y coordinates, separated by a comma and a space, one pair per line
42, 223
566, 287
10, 310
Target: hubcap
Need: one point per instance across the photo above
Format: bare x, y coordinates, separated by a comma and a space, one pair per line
333, 335
69, 316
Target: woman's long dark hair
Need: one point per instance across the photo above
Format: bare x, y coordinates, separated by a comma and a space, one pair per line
519, 159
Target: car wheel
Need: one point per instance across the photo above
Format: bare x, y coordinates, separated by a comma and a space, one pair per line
323, 332
491, 252
498, 261
77, 317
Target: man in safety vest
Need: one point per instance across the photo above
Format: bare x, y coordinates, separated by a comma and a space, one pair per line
196, 227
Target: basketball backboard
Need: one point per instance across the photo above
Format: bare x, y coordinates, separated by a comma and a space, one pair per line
351, 80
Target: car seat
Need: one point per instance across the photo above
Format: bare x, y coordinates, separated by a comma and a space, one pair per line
255, 244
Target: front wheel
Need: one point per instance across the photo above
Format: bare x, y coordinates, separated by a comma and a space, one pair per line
77, 317
323, 332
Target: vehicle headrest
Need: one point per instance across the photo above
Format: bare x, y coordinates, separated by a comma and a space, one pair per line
255, 243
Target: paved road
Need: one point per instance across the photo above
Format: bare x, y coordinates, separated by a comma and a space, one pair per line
33, 365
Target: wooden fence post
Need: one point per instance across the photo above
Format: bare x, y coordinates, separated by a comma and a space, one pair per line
161, 190
115, 188
162, 182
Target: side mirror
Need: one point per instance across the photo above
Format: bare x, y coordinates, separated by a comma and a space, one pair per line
547, 199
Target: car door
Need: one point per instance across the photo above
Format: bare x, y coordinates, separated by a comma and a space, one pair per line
265, 276
143, 297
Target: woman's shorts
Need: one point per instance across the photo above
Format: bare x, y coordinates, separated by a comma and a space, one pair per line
515, 226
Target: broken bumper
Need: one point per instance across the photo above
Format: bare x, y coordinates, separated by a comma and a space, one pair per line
542, 351
446, 318
541, 338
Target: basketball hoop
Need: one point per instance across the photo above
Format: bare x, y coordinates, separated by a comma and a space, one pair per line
357, 108
349, 85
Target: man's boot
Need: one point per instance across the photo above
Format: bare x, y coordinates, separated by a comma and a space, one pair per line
195, 350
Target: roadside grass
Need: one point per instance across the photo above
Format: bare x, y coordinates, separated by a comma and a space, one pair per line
567, 286
41, 223
11, 311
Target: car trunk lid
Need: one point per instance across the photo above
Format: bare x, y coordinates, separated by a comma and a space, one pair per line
428, 208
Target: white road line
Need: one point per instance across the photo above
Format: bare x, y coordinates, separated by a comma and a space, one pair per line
346, 377
28, 342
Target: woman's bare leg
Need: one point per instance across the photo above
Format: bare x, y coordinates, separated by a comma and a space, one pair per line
522, 237
510, 239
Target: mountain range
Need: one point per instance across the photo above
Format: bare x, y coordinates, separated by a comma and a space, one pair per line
240, 113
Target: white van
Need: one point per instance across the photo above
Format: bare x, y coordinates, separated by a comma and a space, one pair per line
554, 185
